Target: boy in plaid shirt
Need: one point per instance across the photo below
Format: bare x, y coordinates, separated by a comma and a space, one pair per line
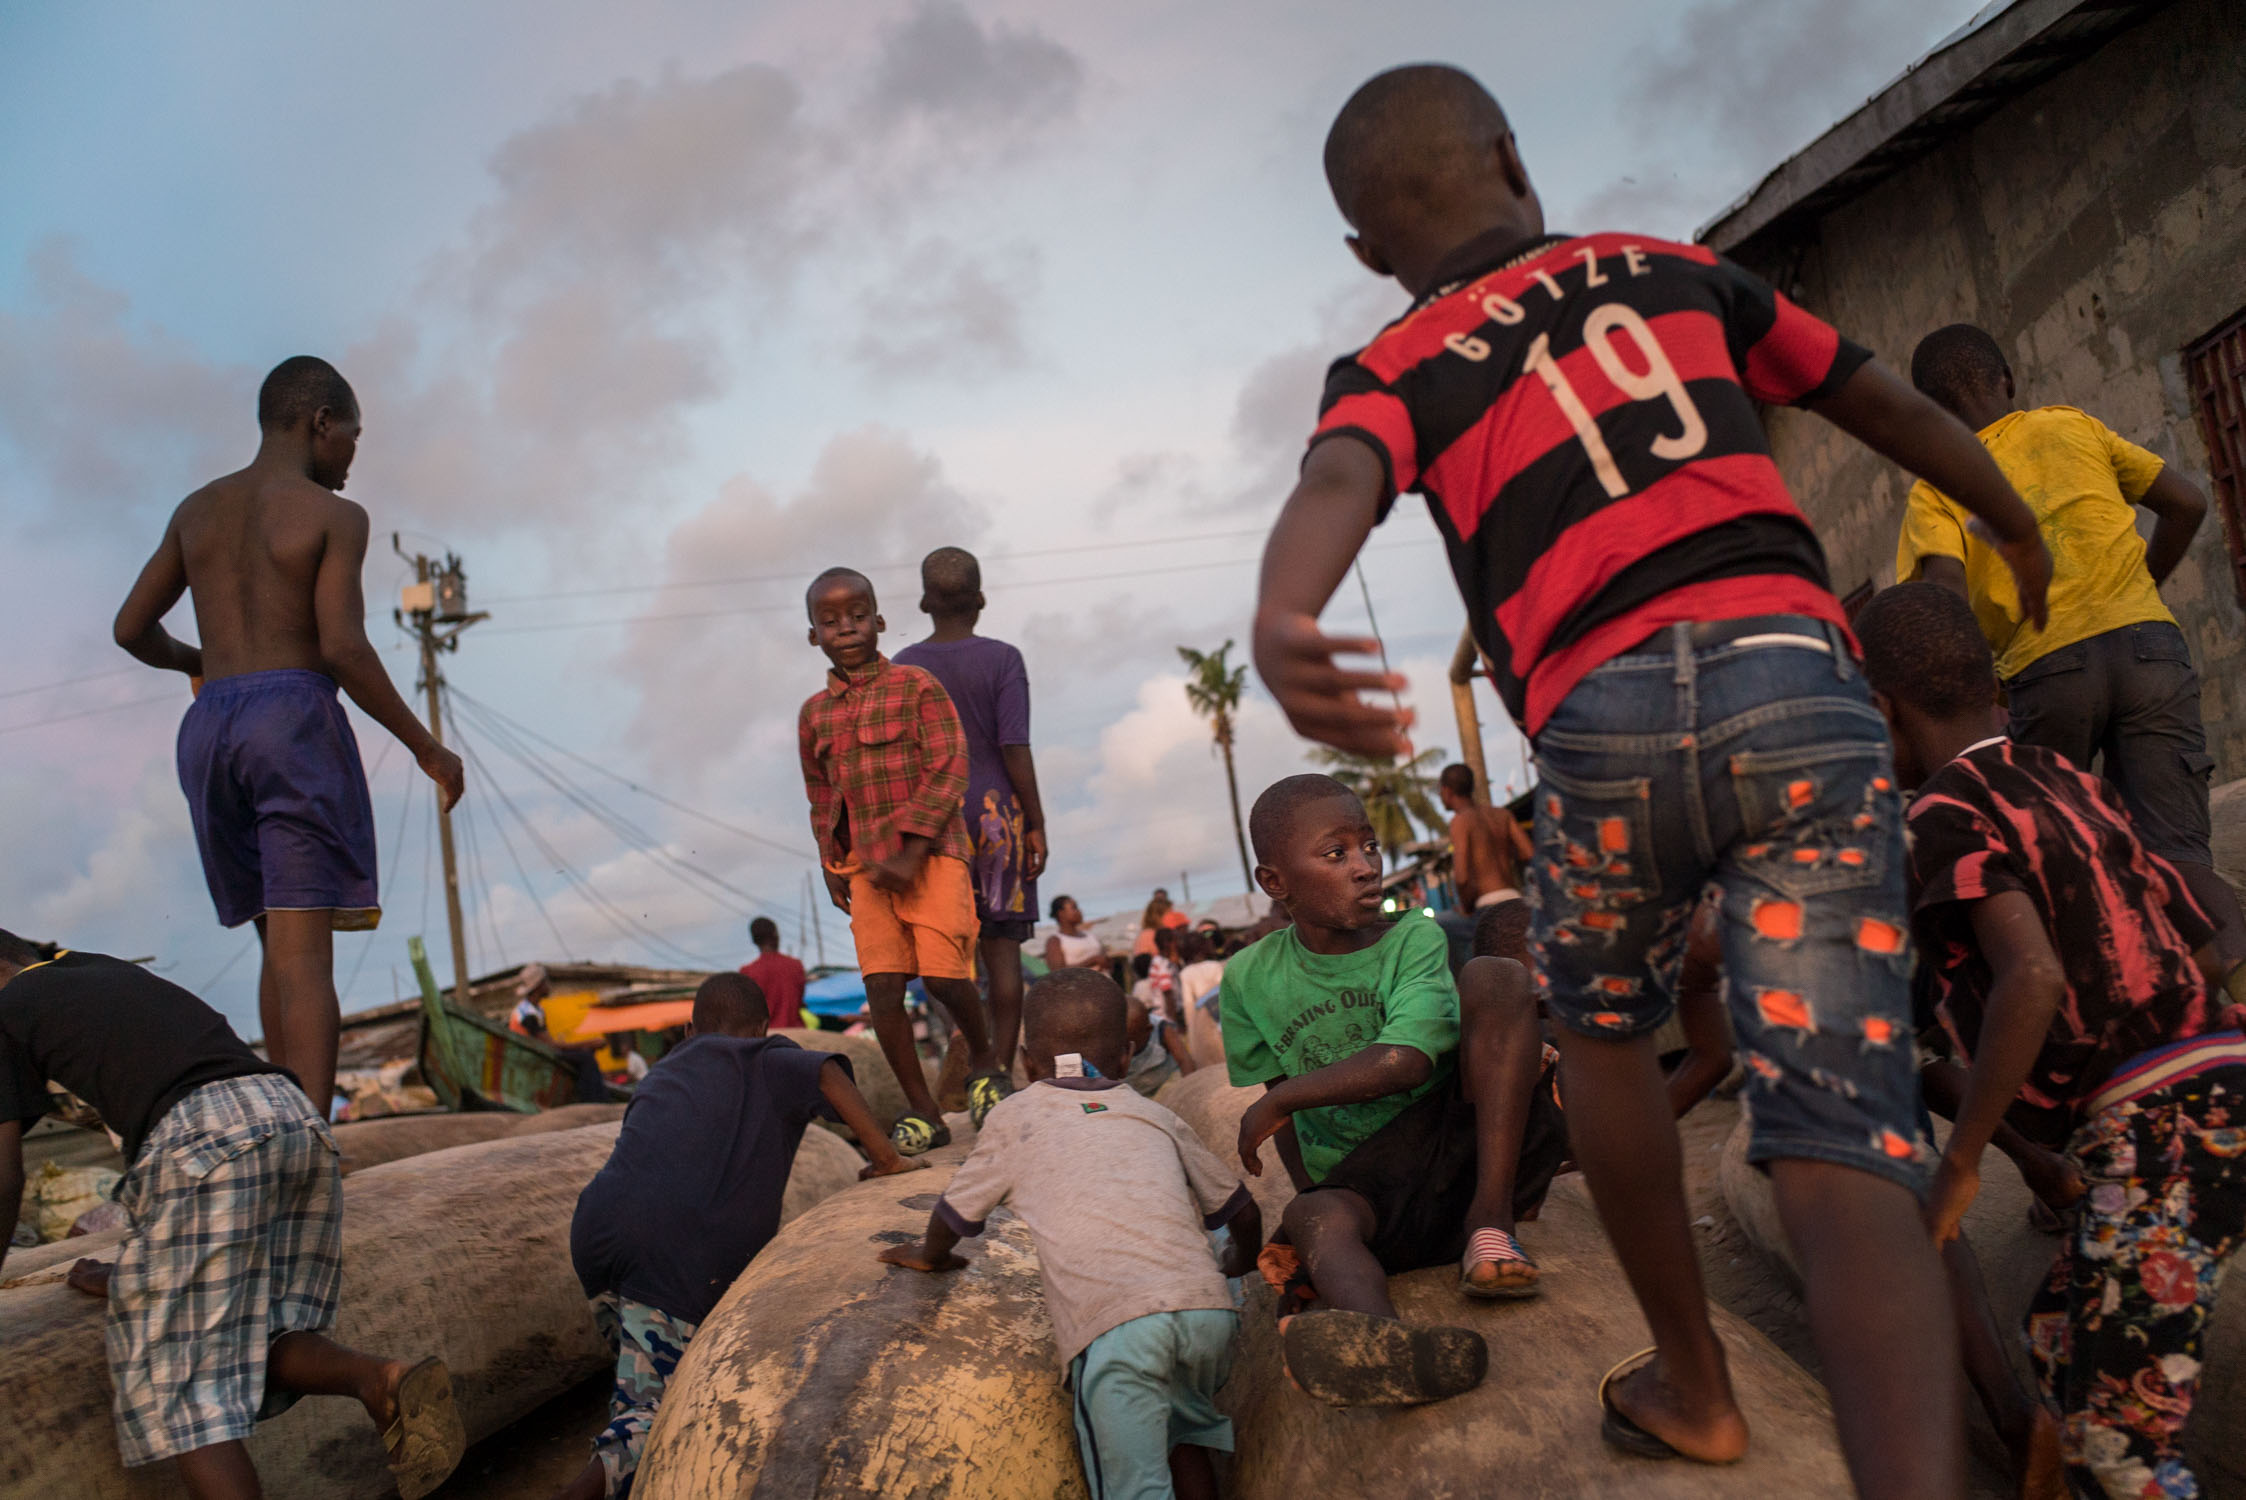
885, 766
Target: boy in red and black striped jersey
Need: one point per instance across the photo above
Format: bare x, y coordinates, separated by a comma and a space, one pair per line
1581, 415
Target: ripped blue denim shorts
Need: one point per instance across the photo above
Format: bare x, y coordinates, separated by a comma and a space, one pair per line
1740, 760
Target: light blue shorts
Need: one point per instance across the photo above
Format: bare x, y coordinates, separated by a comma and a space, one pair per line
1145, 1387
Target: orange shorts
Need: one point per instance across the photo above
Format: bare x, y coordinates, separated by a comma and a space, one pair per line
929, 930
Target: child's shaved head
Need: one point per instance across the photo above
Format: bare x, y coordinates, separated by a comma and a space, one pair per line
1501, 930
1951, 365
1272, 818
730, 1005
1081, 1011
1405, 140
1923, 647
837, 575
951, 581
298, 387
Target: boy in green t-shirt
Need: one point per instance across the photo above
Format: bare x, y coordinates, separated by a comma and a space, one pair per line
1412, 1123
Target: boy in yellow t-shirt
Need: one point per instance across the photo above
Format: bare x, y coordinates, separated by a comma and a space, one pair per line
2110, 678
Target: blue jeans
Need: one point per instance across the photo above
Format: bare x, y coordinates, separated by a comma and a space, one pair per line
1713, 760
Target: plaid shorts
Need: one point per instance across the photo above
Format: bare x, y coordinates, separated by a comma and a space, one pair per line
237, 1238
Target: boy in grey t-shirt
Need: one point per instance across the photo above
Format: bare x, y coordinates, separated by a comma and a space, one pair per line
1119, 1195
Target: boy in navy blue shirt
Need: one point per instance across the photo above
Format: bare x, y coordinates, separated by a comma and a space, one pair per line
692, 1193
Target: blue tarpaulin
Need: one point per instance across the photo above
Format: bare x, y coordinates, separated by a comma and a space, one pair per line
842, 994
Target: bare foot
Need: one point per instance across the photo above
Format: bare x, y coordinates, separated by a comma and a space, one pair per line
1711, 1433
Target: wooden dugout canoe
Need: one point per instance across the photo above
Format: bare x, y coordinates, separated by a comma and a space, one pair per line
462, 1252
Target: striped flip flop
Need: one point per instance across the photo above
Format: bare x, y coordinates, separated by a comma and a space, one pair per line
1513, 1275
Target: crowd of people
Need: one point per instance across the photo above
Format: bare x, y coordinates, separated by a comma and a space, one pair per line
1951, 855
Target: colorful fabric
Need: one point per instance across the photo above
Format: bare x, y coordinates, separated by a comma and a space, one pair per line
130, 1043
2083, 482
237, 1239
1118, 1193
649, 1345
2011, 817
2117, 1332
1580, 414
1145, 1387
279, 799
1763, 771
781, 978
928, 929
883, 756
989, 686
1288, 1011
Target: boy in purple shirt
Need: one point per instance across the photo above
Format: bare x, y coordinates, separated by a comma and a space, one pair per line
1005, 821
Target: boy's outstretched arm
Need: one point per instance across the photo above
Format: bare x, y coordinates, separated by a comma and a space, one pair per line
140, 620
1381, 1069
1316, 538
339, 607
932, 1253
1882, 411
842, 1096
2029, 983
1180, 1054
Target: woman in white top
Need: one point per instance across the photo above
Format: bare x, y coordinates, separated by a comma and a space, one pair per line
1072, 947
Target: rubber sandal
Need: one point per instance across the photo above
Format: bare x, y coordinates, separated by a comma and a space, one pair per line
425, 1441
1618, 1430
917, 1135
1355, 1359
985, 1092
1517, 1275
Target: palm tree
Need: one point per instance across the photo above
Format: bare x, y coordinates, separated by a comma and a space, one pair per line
1394, 792
1214, 690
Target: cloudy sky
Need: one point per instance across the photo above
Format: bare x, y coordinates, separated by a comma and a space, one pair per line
656, 310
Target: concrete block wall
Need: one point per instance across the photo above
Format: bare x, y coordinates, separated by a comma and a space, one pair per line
2096, 225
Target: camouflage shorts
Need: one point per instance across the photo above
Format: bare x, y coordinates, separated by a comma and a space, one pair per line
649, 1345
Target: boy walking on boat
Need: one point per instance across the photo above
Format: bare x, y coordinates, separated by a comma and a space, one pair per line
222, 1293
272, 555
691, 1194
1580, 412
885, 767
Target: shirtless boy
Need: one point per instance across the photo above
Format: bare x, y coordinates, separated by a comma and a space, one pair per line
271, 555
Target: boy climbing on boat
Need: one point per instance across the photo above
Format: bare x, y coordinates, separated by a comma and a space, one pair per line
1120, 1196
2074, 973
1407, 1109
222, 1294
885, 767
692, 1193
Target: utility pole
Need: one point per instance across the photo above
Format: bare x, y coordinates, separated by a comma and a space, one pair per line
438, 597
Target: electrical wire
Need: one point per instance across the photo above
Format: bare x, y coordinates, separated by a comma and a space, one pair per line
48, 687
648, 792
88, 713
496, 957
561, 944
622, 921
715, 886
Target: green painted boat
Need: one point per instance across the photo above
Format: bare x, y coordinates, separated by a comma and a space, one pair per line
476, 1063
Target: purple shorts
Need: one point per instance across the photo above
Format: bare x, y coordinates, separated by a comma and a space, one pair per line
279, 799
